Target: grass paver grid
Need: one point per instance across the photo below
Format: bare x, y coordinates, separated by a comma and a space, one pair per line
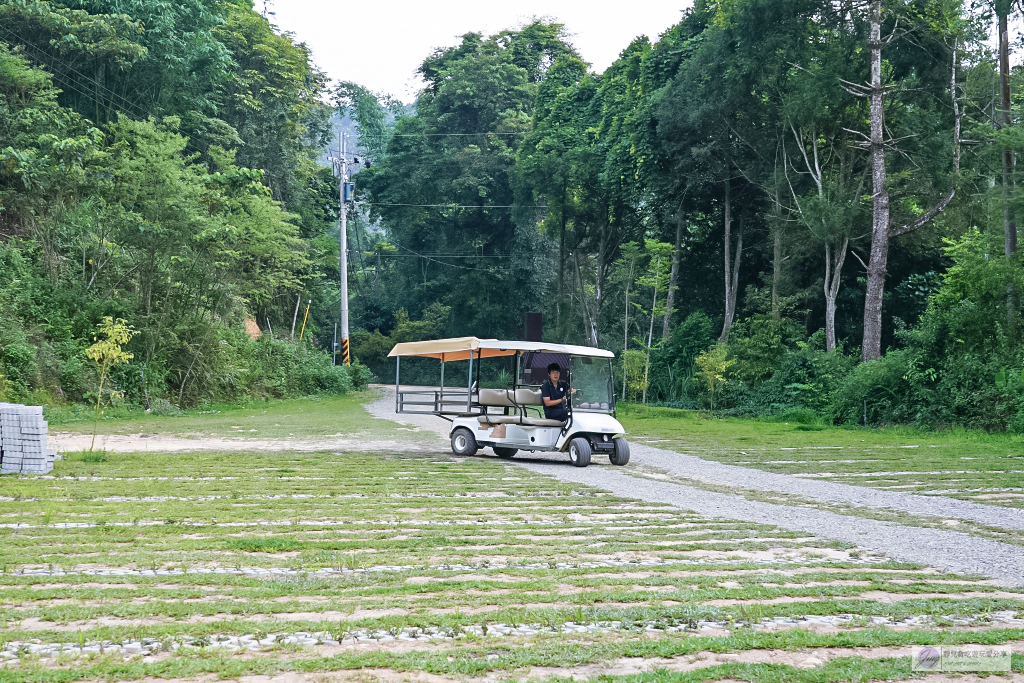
517, 541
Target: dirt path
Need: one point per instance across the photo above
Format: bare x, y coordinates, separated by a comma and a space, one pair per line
156, 443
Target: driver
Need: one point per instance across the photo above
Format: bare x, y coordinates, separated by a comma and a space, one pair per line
554, 392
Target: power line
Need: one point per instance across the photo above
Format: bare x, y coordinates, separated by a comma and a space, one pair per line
450, 265
452, 206
434, 135
124, 103
69, 67
393, 255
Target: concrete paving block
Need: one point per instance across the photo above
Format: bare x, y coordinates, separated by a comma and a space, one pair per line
23, 440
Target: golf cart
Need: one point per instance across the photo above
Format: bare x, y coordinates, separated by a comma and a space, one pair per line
511, 419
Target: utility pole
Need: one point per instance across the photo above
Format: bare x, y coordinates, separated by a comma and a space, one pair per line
346, 194
346, 357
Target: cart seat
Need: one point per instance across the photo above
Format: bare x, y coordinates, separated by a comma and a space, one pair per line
518, 420
529, 397
498, 398
507, 398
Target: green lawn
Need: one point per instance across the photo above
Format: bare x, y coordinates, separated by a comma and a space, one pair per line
299, 418
152, 530
971, 465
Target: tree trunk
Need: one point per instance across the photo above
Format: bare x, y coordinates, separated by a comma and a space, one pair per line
376, 280
650, 330
833, 277
880, 229
602, 251
877, 265
588, 319
1009, 221
625, 330
777, 264
561, 281
673, 278
732, 267
295, 317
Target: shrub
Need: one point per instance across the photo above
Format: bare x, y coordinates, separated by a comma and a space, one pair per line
361, 375
713, 364
806, 378
880, 392
279, 369
311, 372
802, 416
20, 367
633, 362
163, 407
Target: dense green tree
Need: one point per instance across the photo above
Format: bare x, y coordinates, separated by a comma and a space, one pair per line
444, 189
149, 158
784, 175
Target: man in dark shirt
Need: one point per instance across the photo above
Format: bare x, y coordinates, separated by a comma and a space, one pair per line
554, 392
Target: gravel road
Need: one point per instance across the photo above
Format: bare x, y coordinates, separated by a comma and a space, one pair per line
693, 467
949, 550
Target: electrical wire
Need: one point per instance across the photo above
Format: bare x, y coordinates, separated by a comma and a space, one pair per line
451, 206
133, 108
434, 135
393, 255
124, 101
450, 265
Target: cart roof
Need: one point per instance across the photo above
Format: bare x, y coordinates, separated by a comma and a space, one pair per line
460, 348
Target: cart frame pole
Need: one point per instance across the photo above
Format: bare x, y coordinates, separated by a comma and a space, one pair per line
469, 387
398, 391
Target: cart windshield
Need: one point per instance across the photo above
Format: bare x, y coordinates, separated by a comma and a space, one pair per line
592, 383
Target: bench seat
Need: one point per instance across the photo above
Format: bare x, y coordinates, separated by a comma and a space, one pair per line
518, 420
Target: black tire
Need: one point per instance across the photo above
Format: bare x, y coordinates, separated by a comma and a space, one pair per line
503, 452
579, 452
620, 456
463, 442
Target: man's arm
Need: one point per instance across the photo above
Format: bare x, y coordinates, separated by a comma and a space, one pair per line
545, 391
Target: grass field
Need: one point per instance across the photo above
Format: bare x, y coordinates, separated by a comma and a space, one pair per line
970, 465
335, 566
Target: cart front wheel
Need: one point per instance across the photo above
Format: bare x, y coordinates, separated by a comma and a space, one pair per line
503, 452
579, 452
620, 456
463, 442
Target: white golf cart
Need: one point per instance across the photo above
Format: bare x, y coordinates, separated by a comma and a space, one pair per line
511, 419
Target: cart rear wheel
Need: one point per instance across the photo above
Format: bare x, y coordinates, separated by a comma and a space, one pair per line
503, 452
579, 452
620, 456
463, 442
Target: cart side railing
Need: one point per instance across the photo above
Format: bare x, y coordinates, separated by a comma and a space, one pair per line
436, 402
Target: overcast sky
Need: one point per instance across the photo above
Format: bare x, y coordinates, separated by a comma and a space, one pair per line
379, 44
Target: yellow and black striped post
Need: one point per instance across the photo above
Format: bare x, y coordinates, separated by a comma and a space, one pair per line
346, 355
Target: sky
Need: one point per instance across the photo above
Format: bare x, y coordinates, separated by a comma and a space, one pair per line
379, 43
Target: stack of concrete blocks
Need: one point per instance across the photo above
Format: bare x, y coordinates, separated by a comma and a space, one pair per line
23, 436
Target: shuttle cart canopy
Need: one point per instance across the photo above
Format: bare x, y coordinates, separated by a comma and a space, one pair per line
463, 348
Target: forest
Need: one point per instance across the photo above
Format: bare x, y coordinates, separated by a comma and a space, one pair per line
774, 205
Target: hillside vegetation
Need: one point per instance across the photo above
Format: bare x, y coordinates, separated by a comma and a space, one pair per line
763, 208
